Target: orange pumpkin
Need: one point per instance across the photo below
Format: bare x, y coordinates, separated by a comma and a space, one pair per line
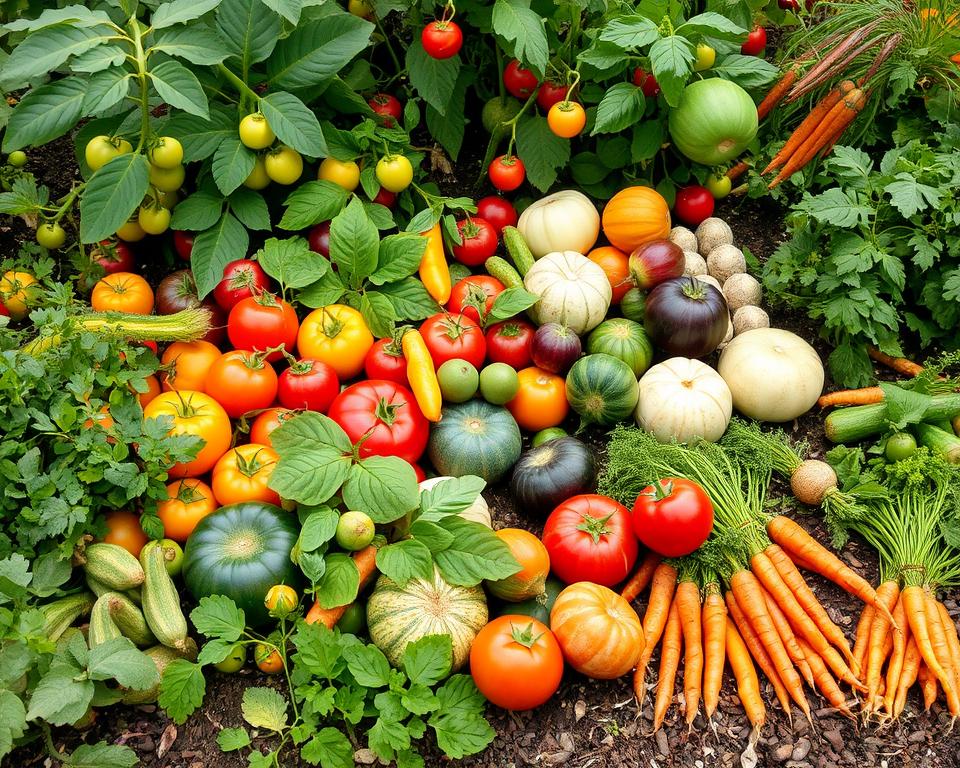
534, 561
599, 633
634, 216
616, 266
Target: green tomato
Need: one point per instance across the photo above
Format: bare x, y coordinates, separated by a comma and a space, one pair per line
496, 112
172, 554
354, 531
235, 659
17, 158
395, 173
155, 220
255, 132
499, 383
546, 435
900, 446
706, 56
51, 235
167, 179
99, 151
354, 619
458, 380
167, 153
719, 186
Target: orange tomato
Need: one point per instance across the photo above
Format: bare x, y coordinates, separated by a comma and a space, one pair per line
566, 119
267, 658
122, 292
268, 421
186, 364
534, 561
616, 266
102, 418
194, 413
18, 291
189, 501
153, 389
541, 400
242, 474
123, 529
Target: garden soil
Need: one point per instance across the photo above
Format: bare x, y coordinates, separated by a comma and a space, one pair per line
587, 723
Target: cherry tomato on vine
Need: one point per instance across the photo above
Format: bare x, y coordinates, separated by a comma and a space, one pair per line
441, 39
17, 158
343, 173
479, 241
385, 360
388, 107
153, 219
255, 132
498, 212
719, 185
241, 382
113, 256
258, 178
755, 43
99, 151
261, 322
507, 173
361, 8
472, 292
167, 179
510, 342
449, 337
646, 82
318, 238
51, 235
550, 93
268, 659
131, 231
283, 165
309, 385
394, 172
706, 56
242, 278
519, 82
673, 516
385, 197
166, 153
566, 119
693, 205
899, 446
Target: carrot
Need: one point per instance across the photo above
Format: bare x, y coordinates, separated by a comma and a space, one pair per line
898, 364
776, 93
928, 685
434, 271
799, 90
669, 662
422, 375
687, 601
953, 640
911, 668
641, 578
749, 595
884, 54
734, 172
824, 680
895, 665
758, 652
914, 604
366, 562
862, 396
941, 647
789, 638
654, 620
889, 594
714, 621
815, 74
863, 634
748, 685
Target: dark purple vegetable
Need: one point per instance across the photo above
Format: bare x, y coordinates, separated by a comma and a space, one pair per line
178, 291
555, 348
551, 473
686, 317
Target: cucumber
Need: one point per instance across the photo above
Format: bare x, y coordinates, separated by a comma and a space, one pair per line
60, 614
848, 425
161, 656
100, 589
518, 249
102, 625
945, 444
161, 603
500, 268
113, 566
129, 619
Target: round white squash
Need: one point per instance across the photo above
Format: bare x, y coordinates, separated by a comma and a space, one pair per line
563, 221
478, 511
694, 264
773, 374
683, 399
725, 261
684, 238
741, 290
713, 232
573, 291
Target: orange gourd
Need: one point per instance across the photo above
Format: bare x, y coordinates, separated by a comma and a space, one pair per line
616, 266
534, 560
634, 216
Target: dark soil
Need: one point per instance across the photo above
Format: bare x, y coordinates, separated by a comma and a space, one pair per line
589, 723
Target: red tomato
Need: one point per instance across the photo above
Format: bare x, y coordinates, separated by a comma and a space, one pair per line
479, 241
387, 413
473, 292
519, 82
242, 278
385, 197
318, 238
308, 384
673, 517
550, 93
418, 471
646, 82
451, 337
241, 382
388, 107
789, 5
441, 39
3, 310
498, 212
266, 422
113, 256
516, 662
693, 205
385, 360
510, 342
183, 244
755, 43
589, 539
263, 322
507, 173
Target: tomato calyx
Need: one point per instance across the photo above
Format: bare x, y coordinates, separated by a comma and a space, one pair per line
330, 324
595, 526
524, 635
250, 467
386, 412
660, 490
453, 327
266, 299
189, 494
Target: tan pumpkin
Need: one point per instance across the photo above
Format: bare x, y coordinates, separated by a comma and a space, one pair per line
634, 216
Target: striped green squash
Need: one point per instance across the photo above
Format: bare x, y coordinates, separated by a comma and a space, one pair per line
602, 390
397, 615
474, 438
625, 340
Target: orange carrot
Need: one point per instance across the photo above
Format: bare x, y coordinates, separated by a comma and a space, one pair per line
928, 685
911, 668
748, 685
758, 652
863, 635
941, 647
669, 662
789, 638
714, 622
366, 562
895, 665
953, 640
775, 95
824, 680
914, 604
641, 578
687, 601
898, 364
862, 396
655, 619
835, 59
734, 172
889, 594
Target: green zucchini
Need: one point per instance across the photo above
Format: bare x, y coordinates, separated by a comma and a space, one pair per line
161, 603
100, 589
113, 566
102, 625
129, 619
518, 249
945, 444
60, 614
848, 425
500, 268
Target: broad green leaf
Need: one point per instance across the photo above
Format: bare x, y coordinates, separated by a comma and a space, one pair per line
433, 78
449, 129
368, 665
354, 243
233, 162
386, 736
459, 696
76, 15
384, 487
318, 528
511, 302
99, 58
197, 44
214, 651
294, 123
672, 61
218, 616
851, 166
419, 699
232, 739
181, 689
45, 113
628, 32
746, 71
378, 313
249, 30
399, 257
105, 89
200, 137
318, 50
327, 290
712, 24
405, 560
602, 56
45, 50
214, 248
329, 748
318, 651
340, 581
910, 197
647, 140
264, 708
428, 660
250, 208
291, 262
119, 660
461, 736
50, 572
515, 22
380, 215
542, 151
199, 211
835, 207
112, 195
476, 554
289, 9
61, 697
179, 87
903, 406
13, 721
450, 496
311, 203
410, 299
102, 755
315, 458
181, 11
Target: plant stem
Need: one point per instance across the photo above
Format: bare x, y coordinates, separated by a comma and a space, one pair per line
244, 89
141, 60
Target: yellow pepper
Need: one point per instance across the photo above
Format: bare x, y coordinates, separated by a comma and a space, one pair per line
422, 375
434, 272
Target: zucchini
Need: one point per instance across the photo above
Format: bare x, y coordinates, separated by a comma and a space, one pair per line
518, 249
102, 625
60, 614
129, 619
100, 589
161, 603
113, 566
848, 425
500, 268
943, 443
161, 656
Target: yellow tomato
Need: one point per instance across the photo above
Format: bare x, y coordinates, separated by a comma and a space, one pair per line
258, 178
284, 165
242, 474
131, 232
18, 290
346, 174
194, 413
255, 132
336, 335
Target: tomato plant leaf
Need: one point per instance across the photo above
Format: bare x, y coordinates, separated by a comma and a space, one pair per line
218, 616
201, 137
214, 651
60, 697
327, 290
340, 581
378, 313
45, 113
198, 212
250, 208
515, 22
328, 748
602, 57
291, 262
368, 665
318, 50
315, 458
460, 736
294, 123
318, 651
196, 43
112, 195
179, 87
449, 129
433, 78
233, 162
180, 11
459, 696
214, 248
647, 140
542, 151
475, 554
405, 560
627, 32
380, 215
264, 708
428, 660
385, 487
511, 302
672, 60
232, 739
712, 24
354, 244
47, 49
319, 527
410, 299
311, 203
102, 755
432, 535
399, 257
105, 89
249, 30
746, 71
289, 9
387, 736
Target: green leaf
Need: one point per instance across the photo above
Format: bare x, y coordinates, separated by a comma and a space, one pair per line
542, 151
910, 197
628, 32
405, 560
198, 212
850, 166
432, 535
315, 458
408, 758
49, 573
354, 244
385, 487
318, 50
289, 9
428, 660
102, 755
835, 207
112, 195
77, 15
450, 496
386, 736
62, 696
368, 665
329, 749
433, 78
311, 203
214, 651
410, 299
47, 49
106, 89
476, 554
294, 123
218, 616
515, 22
264, 708
197, 44
250, 208
903, 407
327, 290
318, 528
447, 129
399, 256
214, 248
318, 651
233, 162
97, 59
119, 660
232, 739
249, 30
672, 61
647, 140
746, 71
291, 262
179, 87
511, 302
602, 56
180, 11
46, 113
340, 581
459, 696
200, 138
419, 699
13, 721
712, 24
458, 737
378, 313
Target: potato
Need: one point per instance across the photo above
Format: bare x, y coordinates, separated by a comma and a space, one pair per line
694, 263
725, 260
711, 233
749, 317
684, 238
741, 290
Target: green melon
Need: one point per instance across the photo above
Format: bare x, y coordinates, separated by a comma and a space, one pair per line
625, 340
601, 389
474, 438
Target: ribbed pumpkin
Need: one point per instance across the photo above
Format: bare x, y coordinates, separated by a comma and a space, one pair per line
601, 389
398, 615
474, 438
623, 339
634, 216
